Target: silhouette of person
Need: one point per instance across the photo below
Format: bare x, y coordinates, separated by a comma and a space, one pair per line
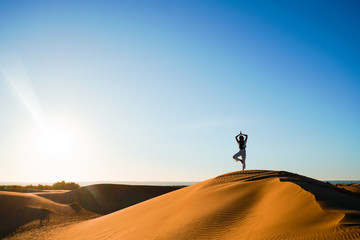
242, 148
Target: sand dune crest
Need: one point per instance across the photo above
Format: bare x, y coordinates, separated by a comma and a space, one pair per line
20, 211
108, 198
238, 205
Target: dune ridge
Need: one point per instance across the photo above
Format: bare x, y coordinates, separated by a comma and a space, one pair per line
255, 204
352, 187
108, 198
20, 213
23, 211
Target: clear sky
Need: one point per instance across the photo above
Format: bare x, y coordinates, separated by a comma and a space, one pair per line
157, 90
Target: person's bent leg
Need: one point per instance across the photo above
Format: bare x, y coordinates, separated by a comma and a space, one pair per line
236, 157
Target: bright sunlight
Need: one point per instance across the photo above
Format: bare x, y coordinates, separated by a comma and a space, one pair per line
56, 139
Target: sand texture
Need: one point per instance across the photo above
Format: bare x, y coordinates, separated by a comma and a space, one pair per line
239, 205
352, 187
107, 198
28, 216
32, 214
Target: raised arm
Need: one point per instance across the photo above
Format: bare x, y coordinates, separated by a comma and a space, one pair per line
246, 137
237, 138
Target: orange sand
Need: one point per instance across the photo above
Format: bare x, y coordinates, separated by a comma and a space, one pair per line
23, 211
20, 213
355, 188
108, 198
238, 205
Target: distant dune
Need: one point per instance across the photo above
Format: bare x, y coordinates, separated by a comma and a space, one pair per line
23, 211
20, 213
355, 188
107, 198
239, 205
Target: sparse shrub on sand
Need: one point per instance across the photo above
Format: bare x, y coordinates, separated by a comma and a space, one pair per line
44, 214
28, 188
65, 185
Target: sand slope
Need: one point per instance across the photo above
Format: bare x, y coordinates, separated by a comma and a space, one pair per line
238, 205
107, 198
26, 209
355, 188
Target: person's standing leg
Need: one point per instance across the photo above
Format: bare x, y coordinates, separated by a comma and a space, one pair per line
243, 158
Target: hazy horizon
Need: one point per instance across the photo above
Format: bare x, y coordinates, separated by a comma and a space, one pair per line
150, 183
156, 91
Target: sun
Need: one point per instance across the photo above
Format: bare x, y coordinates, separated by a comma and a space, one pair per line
56, 139
57, 147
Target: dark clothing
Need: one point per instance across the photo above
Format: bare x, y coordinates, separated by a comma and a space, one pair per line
242, 145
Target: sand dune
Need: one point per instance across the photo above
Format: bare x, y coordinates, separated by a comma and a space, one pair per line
27, 209
352, 187
107, 198
20, 213
238, 205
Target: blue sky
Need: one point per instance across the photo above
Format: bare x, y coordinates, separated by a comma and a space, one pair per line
157, 90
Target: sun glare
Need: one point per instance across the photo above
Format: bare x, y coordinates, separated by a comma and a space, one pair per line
56, 139
57, 148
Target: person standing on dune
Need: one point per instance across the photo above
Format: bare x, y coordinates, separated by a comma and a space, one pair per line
242, 146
